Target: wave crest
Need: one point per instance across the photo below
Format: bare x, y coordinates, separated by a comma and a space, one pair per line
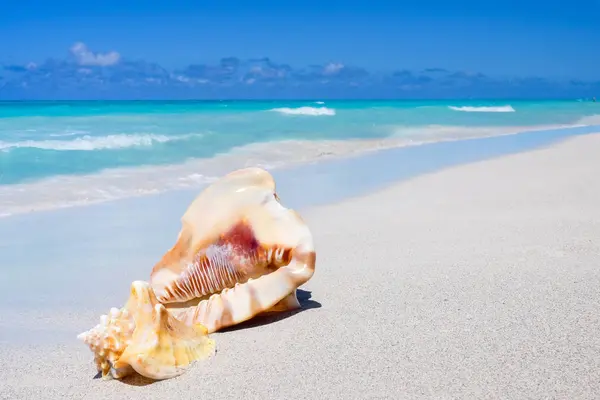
90, 143
507, 108
313, 111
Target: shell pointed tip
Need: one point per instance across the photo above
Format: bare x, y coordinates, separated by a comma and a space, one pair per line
139, 284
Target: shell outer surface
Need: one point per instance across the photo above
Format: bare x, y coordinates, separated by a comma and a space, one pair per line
239, 253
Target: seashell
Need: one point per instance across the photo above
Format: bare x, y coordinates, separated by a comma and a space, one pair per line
143, 337
239, 253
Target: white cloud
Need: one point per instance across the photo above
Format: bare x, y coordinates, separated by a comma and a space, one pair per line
85, 56
332, 68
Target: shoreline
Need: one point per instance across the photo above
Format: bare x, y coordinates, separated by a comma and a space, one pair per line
521, 142
447, 279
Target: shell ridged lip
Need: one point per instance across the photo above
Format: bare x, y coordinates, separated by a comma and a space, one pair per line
236, 257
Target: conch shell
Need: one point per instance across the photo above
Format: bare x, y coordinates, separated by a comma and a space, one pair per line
239, 253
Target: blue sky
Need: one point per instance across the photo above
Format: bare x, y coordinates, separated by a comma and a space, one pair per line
552, 40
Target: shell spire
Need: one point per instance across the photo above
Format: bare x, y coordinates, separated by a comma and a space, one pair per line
144, 337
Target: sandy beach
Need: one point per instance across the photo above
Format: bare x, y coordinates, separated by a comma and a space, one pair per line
477, 281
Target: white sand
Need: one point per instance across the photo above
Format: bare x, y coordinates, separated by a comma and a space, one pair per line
480, 281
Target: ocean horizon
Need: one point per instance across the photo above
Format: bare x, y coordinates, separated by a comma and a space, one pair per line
60, 153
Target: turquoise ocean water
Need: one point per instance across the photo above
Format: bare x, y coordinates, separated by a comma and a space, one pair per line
60, 153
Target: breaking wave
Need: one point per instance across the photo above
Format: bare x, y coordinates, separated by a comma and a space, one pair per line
314, 111
483, 109
90, 143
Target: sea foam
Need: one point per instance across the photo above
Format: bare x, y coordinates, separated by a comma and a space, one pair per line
314, 111
90, 143
497, 109
589, 120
